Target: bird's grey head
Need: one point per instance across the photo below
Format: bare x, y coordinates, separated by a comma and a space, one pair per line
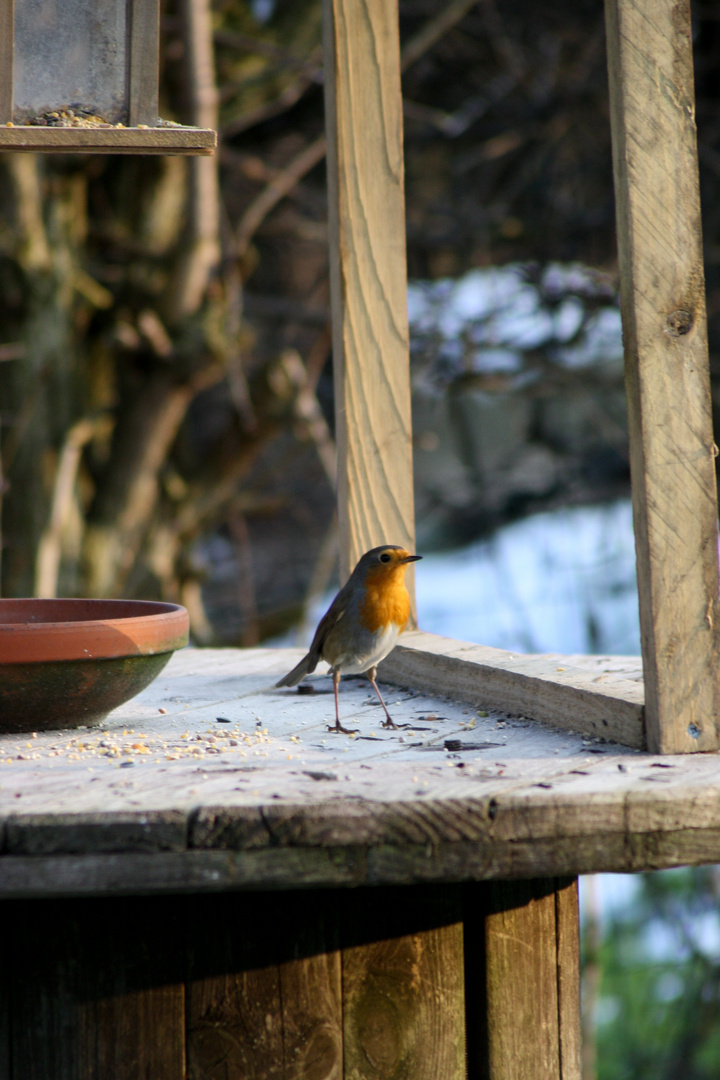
388, 555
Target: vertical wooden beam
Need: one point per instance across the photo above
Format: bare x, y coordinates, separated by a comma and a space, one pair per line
523, 980
368, 276
144, 60
102, 994
667, 374
264, 1002
5, 998
567, 930
7, 42
403, 986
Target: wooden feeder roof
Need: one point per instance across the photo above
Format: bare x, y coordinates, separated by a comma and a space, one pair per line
83, 78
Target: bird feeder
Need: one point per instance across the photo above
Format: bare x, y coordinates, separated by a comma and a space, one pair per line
81, 76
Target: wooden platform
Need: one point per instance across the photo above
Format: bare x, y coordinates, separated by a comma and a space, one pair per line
172, 139
213, 780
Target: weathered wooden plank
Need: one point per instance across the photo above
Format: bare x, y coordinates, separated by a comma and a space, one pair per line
385, 864
403, 986
601, 696
502, 812
672, 453
531, 993
288, 805
143, 77
234, 1003
7, 40
363, 114
5, 992
567, 923
102, 994
600, 796
264, 1003
45, 834
311, 1016
160, 140
178, 872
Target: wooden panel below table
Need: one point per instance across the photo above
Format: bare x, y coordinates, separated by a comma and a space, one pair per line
362, 984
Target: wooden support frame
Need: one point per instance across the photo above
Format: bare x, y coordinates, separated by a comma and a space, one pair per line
368, 282
672, 447
672, 451
369, 983
368, 276
143, 76
523, 1019
600, 696
516, 941
7, 34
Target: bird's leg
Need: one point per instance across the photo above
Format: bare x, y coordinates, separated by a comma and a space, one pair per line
388, 722
338, 726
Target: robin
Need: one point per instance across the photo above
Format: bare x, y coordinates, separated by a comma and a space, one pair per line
362, 624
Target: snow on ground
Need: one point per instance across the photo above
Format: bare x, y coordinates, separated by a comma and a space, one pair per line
561, 581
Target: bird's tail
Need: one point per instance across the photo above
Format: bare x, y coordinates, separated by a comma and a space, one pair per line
298, 673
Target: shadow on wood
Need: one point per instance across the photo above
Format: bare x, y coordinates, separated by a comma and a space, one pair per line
312, 985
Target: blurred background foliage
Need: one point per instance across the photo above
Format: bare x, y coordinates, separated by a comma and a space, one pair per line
166, 392
651, 978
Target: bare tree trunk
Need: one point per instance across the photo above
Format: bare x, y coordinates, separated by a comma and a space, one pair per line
41, 387
201, 252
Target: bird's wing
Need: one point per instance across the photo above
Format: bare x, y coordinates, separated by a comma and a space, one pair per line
309, 662
329, 621
332, 617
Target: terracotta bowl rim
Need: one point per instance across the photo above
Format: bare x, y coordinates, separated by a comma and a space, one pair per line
150, 627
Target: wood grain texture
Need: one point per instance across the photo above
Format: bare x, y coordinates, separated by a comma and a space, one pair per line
45, 834
234, 1024
487, 859
368, 277
567, 921
5, 995
165, 140
667, 375
102, 995
311, 997
7, 38
597, 695
531, 993
199, 805
264, 997
403, 986
143, 77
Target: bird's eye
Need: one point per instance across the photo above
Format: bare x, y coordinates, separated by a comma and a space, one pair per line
384, 557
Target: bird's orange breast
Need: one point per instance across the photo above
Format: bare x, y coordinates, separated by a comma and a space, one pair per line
386, 599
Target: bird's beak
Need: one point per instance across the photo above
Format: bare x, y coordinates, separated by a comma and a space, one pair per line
412, 558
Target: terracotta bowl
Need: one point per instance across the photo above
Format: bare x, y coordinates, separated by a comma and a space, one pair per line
69, 662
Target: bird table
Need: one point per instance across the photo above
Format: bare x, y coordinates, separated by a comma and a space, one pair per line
213, 885
238, 892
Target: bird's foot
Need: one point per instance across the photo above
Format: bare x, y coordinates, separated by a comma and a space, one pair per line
388, 723
338, 729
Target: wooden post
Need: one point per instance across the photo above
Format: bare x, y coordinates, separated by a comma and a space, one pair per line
672, 453
363, 110
102, 995
403, 986
265, 987
7, 44
144, 62
523, 980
